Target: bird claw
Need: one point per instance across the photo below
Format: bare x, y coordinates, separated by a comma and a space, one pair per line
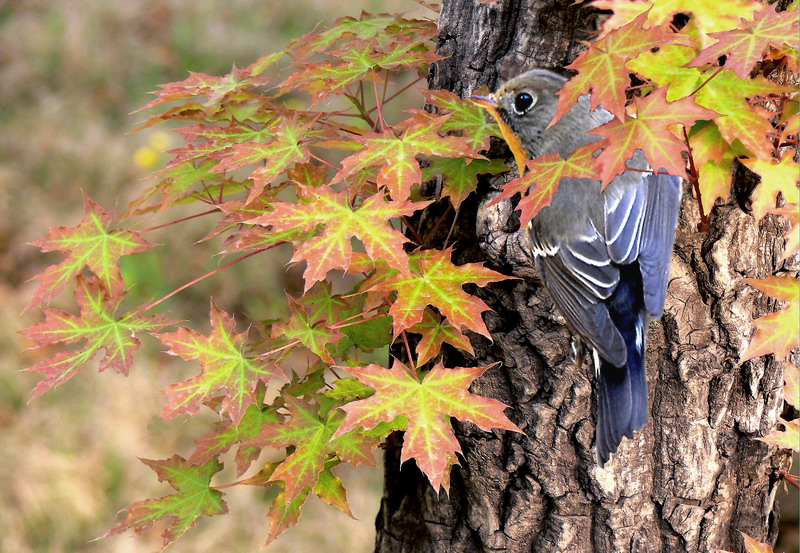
577, 350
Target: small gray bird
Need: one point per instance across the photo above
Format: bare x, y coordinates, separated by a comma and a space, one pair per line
603, 256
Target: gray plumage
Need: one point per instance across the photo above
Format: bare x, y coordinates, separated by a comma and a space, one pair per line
604, 257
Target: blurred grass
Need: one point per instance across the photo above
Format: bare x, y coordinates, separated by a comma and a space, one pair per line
71, 72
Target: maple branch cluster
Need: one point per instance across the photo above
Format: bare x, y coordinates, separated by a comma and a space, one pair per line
271, 176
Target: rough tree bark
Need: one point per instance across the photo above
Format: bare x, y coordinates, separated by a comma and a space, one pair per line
695, 474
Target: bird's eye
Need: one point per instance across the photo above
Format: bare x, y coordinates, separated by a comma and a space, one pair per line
523, 102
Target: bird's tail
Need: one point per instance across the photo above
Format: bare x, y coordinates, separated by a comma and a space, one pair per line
622, 391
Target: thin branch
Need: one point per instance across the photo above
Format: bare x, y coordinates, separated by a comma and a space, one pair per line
694, 179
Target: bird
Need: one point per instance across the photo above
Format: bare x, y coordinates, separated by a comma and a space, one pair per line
603, 256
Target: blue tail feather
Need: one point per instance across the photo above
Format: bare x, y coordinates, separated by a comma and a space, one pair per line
622, 391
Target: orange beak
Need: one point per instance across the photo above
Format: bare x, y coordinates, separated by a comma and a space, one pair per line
520, 154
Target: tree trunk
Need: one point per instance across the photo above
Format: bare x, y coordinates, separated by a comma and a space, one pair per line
695, 474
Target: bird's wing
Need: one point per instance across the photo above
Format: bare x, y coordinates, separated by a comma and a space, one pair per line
641, 212
658, 237
579, 275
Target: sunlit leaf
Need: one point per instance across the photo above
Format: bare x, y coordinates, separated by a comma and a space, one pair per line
426, 405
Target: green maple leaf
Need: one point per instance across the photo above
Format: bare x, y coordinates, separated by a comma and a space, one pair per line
216, 443
436, 331
95, 244
333, 249
746, 45
777, 177
461, 175
465, 117
311, 436
648, 132
426, 405
97, 326
601, 68
225, 364
397, 155
175, 181
435, 281
194, 498
313, 332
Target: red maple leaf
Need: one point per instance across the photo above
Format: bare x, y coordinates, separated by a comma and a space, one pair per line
397, 155
98, 327
649, 131
601, 68
333, 249
746, 46
435, 281
426, 405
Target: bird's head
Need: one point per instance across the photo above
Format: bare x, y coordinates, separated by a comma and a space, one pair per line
523, 107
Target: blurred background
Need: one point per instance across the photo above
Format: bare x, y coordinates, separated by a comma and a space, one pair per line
71, 71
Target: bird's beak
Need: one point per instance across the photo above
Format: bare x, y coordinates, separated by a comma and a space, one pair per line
487, 102
520, 154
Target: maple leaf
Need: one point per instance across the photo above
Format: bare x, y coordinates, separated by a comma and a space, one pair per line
777, 177
753, 546
784, 439
437, 282
465, 117
355, 60
461, 175
601, 68
777, 332
95, 244
435, 331
707, 17
312, 437
215, 89
396, 155
540, 183
725, 93
225, 367
194, 497
333, 249
285, 149
216, 443
746, 45
383, 27
649, 132
314, 333
97, 326
426, 406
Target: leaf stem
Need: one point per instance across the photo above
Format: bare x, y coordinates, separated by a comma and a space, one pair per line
202, 277
180, 220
